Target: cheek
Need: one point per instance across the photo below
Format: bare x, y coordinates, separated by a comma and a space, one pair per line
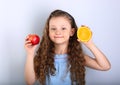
67, 35
51, 36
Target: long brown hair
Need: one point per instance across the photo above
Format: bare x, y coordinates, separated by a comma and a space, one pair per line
44, 58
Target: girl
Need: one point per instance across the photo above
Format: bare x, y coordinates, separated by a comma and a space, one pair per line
59, 59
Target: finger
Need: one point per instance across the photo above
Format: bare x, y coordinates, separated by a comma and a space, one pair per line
28, 42
28, 45
27, 37
79, 40
82, 25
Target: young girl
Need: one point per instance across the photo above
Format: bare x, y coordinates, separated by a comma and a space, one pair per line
59, 59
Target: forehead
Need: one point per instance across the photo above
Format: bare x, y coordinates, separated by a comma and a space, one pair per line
59, 20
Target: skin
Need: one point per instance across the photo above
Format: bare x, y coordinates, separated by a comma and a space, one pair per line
59, 32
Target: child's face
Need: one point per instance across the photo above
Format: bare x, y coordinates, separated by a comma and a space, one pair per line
60, 30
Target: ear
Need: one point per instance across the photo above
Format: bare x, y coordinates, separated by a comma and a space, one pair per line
72, 32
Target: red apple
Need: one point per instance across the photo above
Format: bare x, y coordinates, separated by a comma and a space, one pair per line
34, 38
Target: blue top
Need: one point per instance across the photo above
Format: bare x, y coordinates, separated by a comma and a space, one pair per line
62, 74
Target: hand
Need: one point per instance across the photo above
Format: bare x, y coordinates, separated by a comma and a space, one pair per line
88, 43
29, 47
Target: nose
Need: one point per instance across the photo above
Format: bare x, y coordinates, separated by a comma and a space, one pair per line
58, 32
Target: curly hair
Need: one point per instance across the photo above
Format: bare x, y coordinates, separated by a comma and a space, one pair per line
44, 58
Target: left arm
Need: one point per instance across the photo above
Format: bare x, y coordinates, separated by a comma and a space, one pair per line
100, 62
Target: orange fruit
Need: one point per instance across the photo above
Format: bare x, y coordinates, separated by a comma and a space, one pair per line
84, 34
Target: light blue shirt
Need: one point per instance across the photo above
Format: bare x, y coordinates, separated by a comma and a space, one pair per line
62, 74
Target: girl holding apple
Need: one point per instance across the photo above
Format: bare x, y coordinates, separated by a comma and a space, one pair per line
59, 59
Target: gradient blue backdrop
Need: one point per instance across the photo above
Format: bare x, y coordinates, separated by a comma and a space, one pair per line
18, 18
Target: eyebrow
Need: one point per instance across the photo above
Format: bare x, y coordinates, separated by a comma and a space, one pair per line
55, 26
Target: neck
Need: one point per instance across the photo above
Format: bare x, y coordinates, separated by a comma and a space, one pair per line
61, 49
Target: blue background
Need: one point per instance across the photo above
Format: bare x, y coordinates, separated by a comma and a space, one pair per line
18, 18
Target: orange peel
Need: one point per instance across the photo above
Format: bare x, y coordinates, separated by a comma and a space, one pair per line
84, 33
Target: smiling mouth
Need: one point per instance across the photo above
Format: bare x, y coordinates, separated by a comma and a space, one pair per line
58, 37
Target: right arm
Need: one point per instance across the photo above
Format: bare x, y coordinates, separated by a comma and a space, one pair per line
29, 65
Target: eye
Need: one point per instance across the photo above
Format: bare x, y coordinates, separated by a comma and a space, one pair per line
63, 28
53, 28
